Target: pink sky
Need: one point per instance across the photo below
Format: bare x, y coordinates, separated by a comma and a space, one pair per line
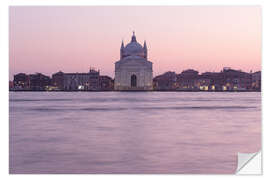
71, 39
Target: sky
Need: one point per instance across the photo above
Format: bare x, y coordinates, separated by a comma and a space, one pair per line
75, 38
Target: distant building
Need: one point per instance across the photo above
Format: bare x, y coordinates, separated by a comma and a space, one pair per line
226, 80
82, 81
39, 81
216, 80
58, 80
187, 79
133, 71
166, 81
106, 83
21, 81
235, 80
256, 81
11, 85
203, 84
91, 81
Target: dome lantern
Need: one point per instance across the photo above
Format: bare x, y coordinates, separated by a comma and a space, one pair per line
133, 39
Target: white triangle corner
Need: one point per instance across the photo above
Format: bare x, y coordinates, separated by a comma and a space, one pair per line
249, 164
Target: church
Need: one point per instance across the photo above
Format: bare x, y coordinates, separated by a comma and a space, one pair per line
133, 71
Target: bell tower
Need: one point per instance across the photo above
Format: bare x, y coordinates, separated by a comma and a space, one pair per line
122, 50
145, 49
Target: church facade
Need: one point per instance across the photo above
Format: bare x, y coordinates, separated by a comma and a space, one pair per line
133, 71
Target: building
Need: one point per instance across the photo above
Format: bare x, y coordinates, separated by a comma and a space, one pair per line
39, 82
236, 80
203, 84
91, 81
11, 85
21, 82
256, 81
214, 80
166, 81
187, 79
58, 80
81, 81
106, 83
33, 82
133, 71
226, 80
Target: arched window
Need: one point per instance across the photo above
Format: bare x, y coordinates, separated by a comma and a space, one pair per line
133, 80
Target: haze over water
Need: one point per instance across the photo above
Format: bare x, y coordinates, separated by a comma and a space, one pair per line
132, 132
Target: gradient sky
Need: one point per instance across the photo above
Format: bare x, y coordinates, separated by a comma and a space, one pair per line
71, 39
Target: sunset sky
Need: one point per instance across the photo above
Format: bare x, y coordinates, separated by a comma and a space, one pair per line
71, 39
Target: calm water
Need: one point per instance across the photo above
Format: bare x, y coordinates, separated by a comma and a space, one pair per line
132, 132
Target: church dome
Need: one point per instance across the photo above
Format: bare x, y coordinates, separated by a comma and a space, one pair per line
133, 48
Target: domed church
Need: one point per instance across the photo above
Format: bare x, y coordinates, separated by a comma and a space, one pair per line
133, 71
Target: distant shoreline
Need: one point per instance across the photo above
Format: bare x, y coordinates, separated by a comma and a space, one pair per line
136, 91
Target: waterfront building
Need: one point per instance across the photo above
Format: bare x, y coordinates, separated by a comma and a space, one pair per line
215, 80
58, 80
203, 84
228, 80
166, 81
21, 81
39, 81
106, 83
235, 80
34, 82
11, 85
186, 79
256, 81
133, 71
90, 81
225, 80
81, 81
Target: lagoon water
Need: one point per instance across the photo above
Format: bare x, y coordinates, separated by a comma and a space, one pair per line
132, 132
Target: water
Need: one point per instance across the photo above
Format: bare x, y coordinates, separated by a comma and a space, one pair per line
132, 132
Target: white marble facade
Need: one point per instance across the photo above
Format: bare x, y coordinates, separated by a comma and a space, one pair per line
133, 71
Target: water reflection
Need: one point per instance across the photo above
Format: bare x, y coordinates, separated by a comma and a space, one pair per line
114, 132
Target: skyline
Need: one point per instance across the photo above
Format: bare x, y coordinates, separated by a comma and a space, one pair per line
71, 39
